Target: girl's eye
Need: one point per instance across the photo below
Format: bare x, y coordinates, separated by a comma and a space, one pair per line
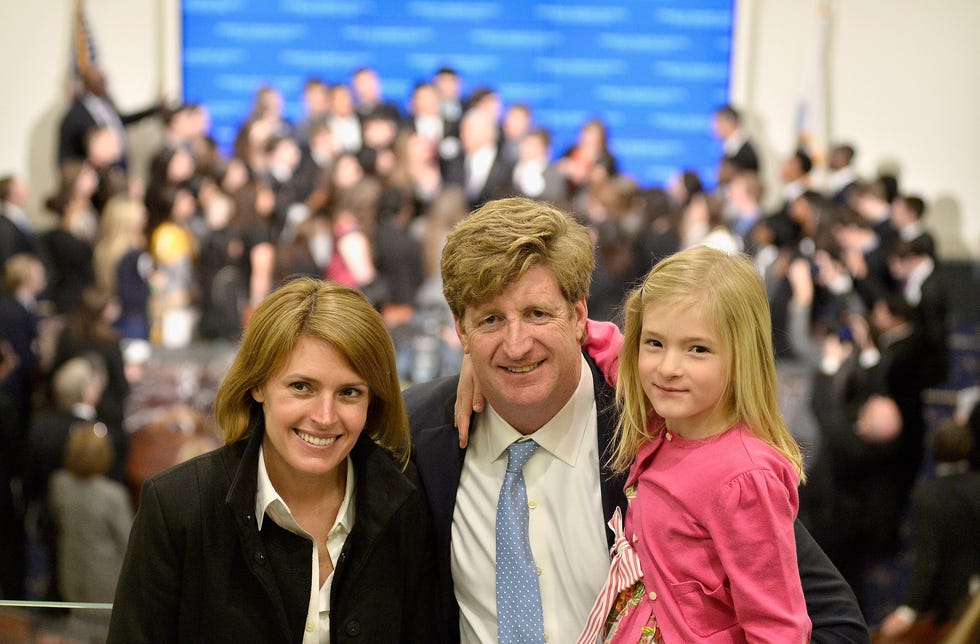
653, 343
700, 349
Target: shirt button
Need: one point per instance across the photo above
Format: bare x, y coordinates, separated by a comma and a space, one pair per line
545, 637
668, 436
353, 628
635, 538
309, 627
532, 504
539, 571
259, 558
653, 596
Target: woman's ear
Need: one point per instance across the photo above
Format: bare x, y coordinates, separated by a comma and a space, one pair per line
257, 395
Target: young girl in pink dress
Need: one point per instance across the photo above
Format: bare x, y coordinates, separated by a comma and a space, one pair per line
707, 552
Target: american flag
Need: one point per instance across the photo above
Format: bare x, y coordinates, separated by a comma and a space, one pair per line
84, 54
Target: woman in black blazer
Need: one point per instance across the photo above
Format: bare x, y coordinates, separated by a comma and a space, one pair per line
309, 525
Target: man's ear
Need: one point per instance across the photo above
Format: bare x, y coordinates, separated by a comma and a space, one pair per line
580, 313
461, 334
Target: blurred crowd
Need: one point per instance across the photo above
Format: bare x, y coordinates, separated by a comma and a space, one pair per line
362, 191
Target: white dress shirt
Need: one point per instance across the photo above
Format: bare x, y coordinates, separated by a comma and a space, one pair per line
477, 166
567, 529
346, 132
268, 501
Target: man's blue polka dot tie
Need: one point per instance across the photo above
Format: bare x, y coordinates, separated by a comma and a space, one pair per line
519, 616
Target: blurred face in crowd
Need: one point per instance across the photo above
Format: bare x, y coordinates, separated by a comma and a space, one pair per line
425, 101
341, 102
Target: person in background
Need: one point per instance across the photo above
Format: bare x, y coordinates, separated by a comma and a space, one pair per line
309, 523
24, 281
16, 232
738, 152
945, 519
92, 516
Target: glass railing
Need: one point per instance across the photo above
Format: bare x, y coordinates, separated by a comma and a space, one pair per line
28, 622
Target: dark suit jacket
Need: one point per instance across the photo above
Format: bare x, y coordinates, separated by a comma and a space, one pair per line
945, 534
831, 605
76, 123
13, 240
932, 318
198, 570
745, 158
499, 183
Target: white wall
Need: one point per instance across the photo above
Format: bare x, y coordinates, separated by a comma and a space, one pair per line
902, 87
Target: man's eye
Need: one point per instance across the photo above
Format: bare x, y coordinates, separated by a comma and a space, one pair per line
538, 314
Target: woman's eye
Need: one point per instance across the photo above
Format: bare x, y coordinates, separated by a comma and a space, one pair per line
351, 392
299, 386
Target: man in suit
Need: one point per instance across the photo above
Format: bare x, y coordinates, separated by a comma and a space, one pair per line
907, 213
535, 176
516, 275
16, 233
480, 169
923, 287
93, 108
945, 519
738, 153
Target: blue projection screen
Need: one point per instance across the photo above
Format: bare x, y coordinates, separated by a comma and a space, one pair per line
653, 70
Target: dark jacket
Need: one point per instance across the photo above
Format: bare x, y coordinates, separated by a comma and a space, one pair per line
198, 570
830, 603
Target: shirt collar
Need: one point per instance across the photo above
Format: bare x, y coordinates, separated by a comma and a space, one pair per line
734, 142
266, 496
561, 436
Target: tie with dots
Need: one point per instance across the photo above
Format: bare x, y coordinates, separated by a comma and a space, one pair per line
519, 616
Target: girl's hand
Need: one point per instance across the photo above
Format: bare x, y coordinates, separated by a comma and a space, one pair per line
469, 400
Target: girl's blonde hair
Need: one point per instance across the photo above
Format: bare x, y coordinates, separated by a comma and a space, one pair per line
728, 292
121, 229
325, 311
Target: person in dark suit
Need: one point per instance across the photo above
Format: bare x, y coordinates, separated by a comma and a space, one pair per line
480, 169
738, 152
77, 386
924, 288
516, 275
23, 282
945, 520
93, 108
907, 213
16, 233
842, 179
269, 538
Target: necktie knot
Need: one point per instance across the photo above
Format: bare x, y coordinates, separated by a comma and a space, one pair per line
518, 454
